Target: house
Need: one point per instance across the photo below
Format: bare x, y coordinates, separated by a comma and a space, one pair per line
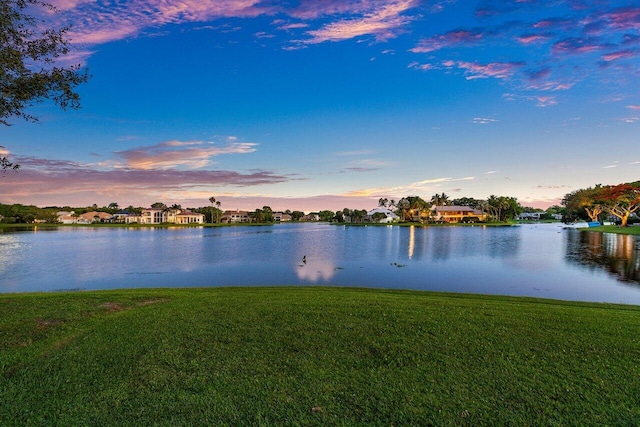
188, 217
154, 216
93, 216
167, 216
457, 214
390, 215
281, 217
531, 216
230, 217
311, 217
120, 216
85, 218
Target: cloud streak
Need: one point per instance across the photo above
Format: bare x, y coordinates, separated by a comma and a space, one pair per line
383, 23
549, 54
62, 182
424, 186
180, 154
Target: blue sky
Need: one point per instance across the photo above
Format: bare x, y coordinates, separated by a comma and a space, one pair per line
328, 104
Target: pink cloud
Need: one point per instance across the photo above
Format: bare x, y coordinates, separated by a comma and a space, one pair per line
575, 45
312, 9
627, 18
619, 55
533, 38
64, 182
633, 107
93, 25
383, 23
294, 26
172, 154
474, 70
546, 101
452, 38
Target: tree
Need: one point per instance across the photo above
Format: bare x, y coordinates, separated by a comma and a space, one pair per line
502, 208
440, 199
621, 200
326, 215
297, 215
411, 206
212, 200
5, 164
403, 207
584, 201
466, 201
358, 215
28, 70
378, 216
158, 205
267, 214
383, 202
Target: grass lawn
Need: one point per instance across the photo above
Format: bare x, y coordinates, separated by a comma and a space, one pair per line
314, 356
633, 230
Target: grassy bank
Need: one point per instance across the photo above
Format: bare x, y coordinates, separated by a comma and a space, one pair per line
632, 230
314, 356
133, 225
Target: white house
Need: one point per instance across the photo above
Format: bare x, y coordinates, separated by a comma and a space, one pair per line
390, 216
188, 217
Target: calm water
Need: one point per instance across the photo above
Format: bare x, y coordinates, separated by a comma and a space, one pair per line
531, 260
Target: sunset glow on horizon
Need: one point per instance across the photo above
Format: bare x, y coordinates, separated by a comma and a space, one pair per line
312, 105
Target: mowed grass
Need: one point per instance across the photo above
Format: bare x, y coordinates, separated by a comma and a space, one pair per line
314, 356
616, 229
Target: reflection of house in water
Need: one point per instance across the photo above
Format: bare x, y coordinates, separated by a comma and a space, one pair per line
619, 254
443, 243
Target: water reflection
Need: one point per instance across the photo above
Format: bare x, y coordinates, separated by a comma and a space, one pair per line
525, 260
315, 270
412, 241
618, 254
441, 244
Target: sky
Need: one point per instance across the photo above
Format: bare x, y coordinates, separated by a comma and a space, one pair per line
326, 104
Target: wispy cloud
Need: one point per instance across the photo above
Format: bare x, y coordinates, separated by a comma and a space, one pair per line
474, 70
484, 120
550, 54
423, 187
366, 165
93, 23
354, 153
180, 154
62, 181
383, 23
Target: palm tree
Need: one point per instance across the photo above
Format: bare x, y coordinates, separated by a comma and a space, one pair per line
219, 211
212, 200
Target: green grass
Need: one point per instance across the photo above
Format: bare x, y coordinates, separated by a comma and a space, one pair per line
315, 356
633, 230
134, 225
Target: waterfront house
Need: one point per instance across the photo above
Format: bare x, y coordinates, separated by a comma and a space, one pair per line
390, 215
457, 214
230, 217
281, 217
188, 217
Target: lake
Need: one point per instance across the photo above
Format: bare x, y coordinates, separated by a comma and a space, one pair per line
541, 260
